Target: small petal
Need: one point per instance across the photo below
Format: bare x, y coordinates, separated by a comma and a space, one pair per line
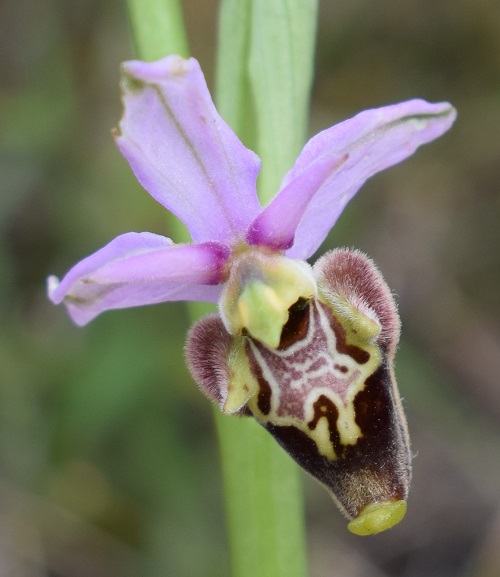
276, 225
335, 164
183, 153
138, 269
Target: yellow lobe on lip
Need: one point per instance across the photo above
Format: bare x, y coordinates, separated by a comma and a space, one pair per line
377, 517
242, 385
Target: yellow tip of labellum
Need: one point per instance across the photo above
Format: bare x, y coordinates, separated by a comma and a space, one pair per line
378, 517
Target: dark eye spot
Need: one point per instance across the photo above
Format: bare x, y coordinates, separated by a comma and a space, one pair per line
341, 368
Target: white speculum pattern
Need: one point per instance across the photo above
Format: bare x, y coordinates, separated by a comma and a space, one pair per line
308, 369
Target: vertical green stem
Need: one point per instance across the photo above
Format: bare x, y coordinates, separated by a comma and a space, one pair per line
281, 65
157, 28
264, 75
263, 501
265, 66
233, 88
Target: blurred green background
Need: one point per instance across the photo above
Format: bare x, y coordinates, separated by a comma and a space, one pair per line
108, 460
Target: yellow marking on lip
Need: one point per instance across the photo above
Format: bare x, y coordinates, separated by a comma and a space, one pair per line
321, 436
242, 385
347, 427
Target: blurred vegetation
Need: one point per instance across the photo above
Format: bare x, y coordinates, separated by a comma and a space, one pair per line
108, 461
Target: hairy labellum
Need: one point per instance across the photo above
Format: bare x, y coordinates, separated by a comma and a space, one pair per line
327, 392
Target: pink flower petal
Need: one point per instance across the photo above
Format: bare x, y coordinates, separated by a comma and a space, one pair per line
182, 151
138, 269
335, 164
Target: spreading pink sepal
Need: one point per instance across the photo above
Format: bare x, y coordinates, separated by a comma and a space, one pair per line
139, 269
313, 196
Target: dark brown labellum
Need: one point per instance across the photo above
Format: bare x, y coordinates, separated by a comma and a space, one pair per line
327, 393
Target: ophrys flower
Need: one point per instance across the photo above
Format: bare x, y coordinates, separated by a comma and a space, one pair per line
306, 350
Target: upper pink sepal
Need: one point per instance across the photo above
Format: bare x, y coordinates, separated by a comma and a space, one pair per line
183, 152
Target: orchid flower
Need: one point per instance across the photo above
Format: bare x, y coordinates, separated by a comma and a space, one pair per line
306, 350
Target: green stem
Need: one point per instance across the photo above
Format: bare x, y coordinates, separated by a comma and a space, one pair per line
264, 74
264, 505
265, 65
281, 65
157, 28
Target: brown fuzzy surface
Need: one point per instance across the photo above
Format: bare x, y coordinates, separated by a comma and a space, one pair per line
207, 349
353, 275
